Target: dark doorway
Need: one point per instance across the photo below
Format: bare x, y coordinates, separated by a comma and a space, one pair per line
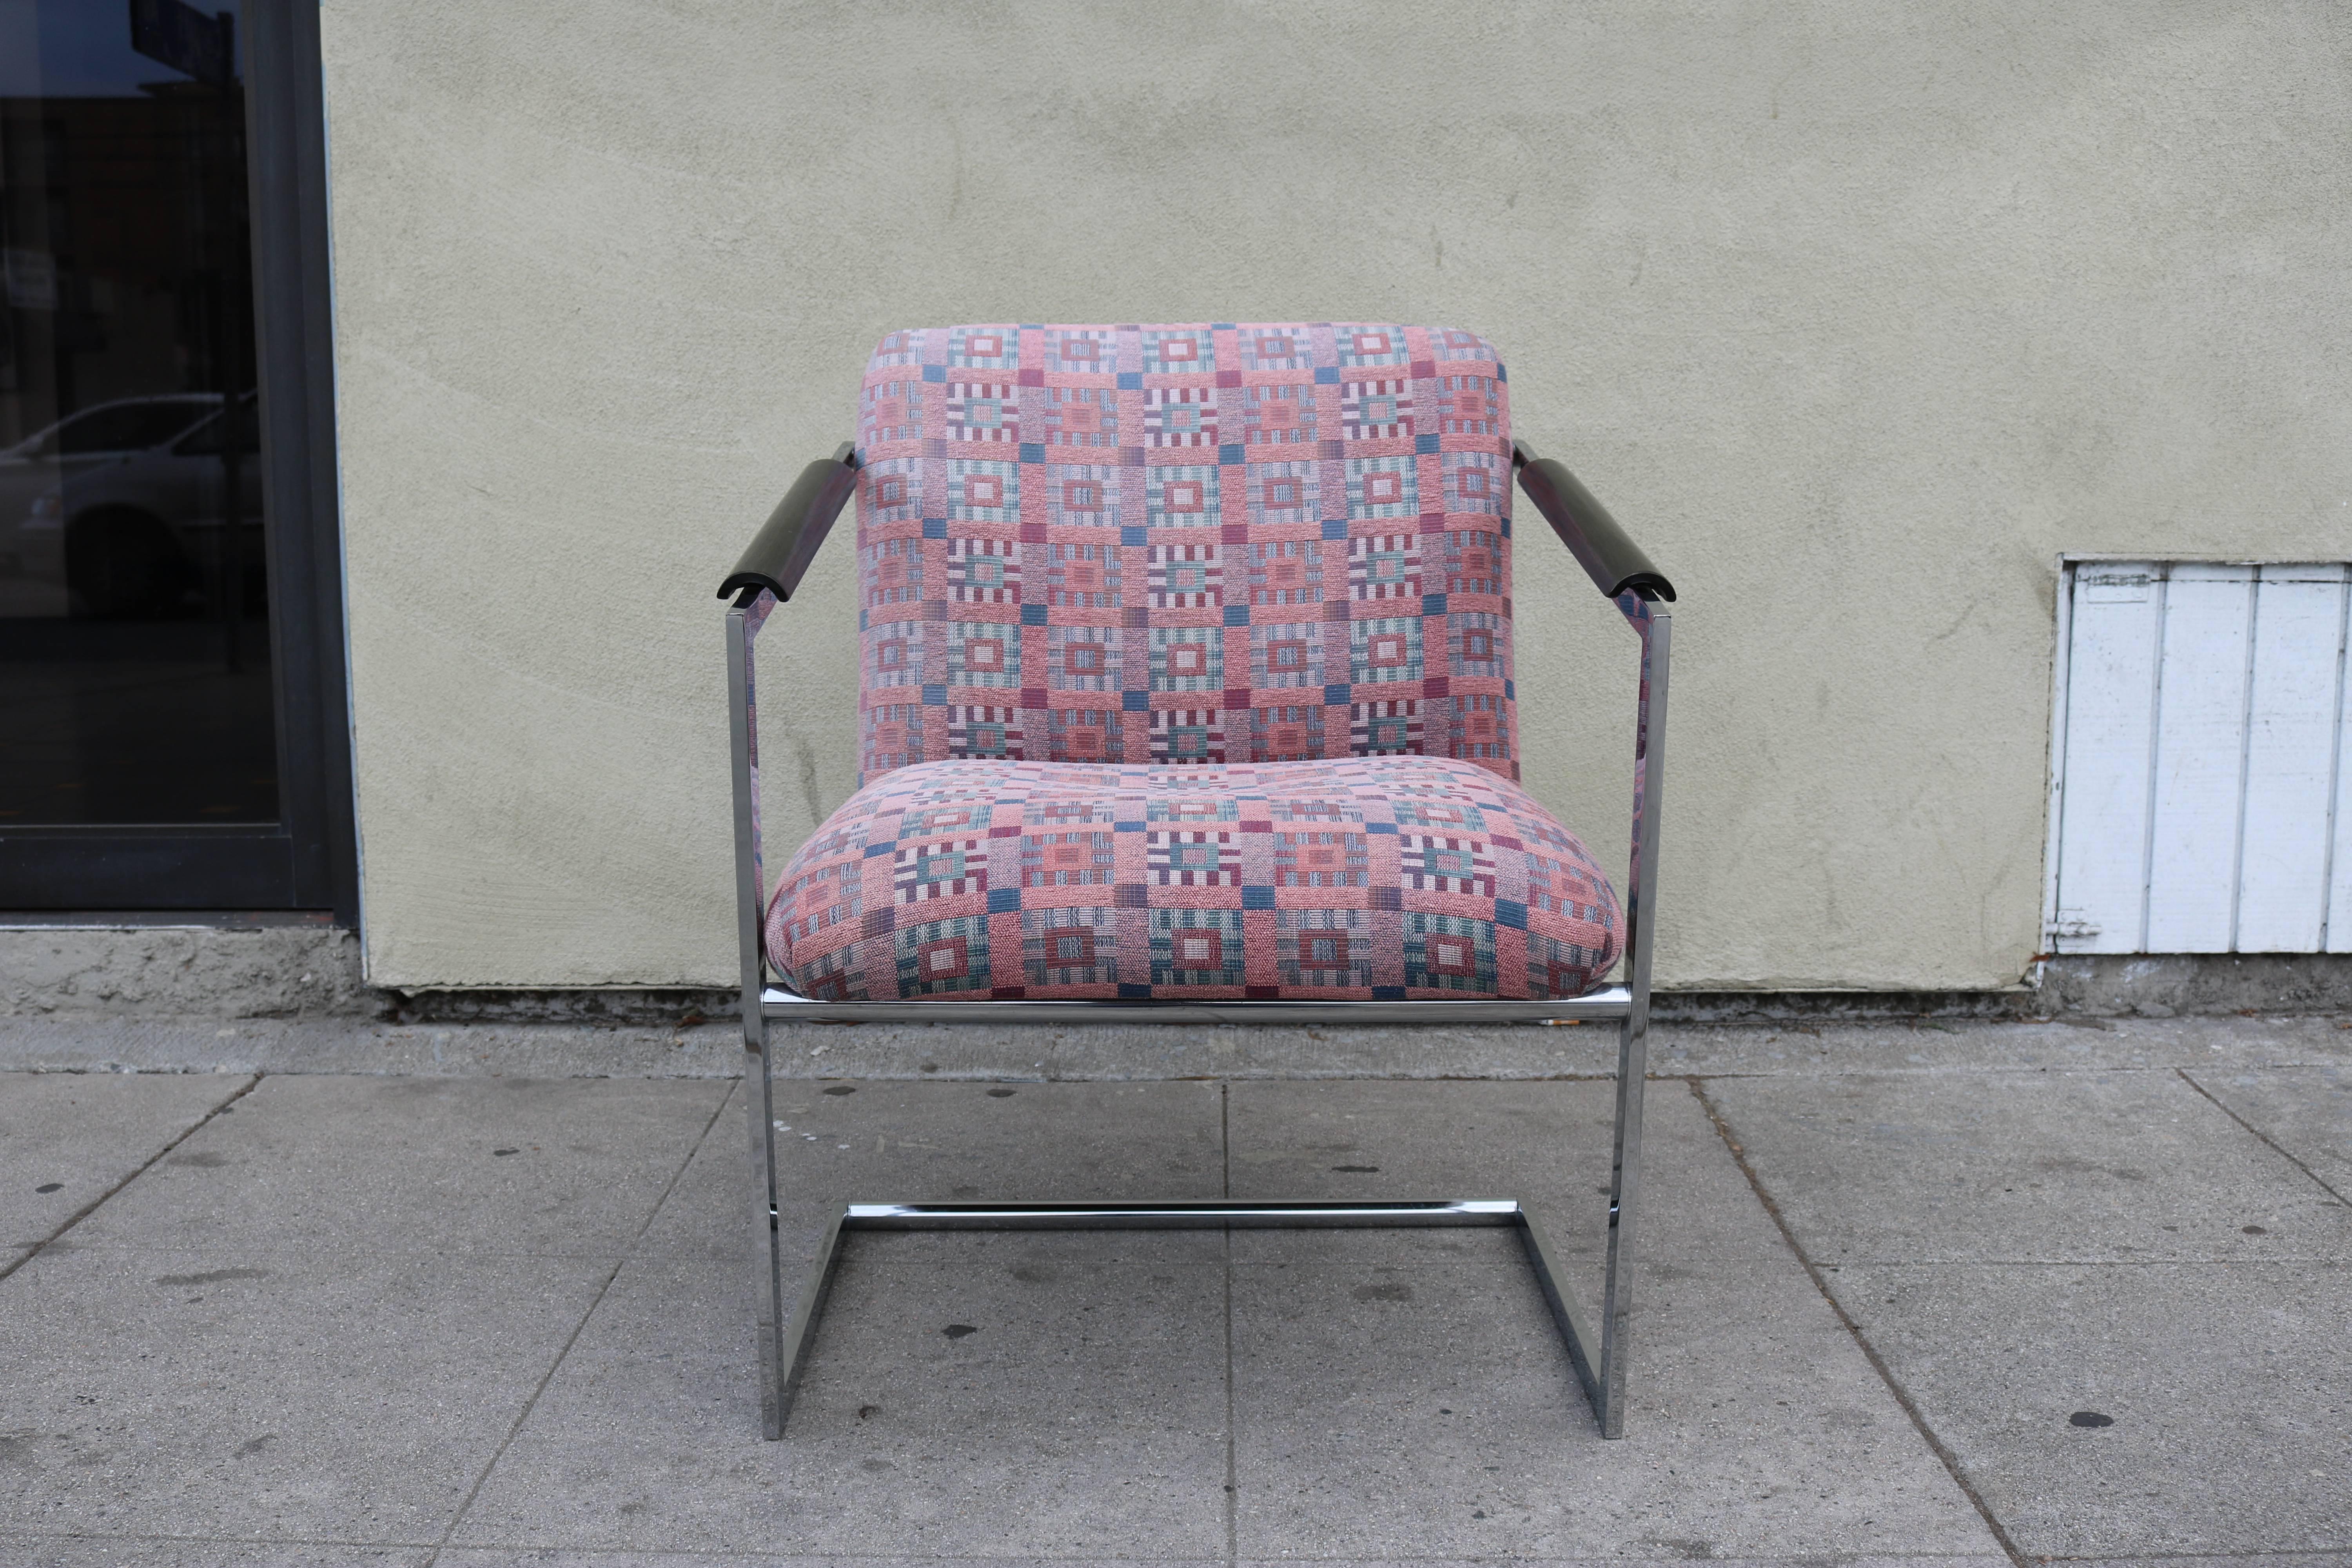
170, 669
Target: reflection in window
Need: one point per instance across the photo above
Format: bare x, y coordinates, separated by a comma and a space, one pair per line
135, 684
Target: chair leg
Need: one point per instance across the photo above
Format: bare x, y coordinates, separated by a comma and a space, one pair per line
1583, 1350
1624, 1191
781, 1378
768, 1279
793, 1352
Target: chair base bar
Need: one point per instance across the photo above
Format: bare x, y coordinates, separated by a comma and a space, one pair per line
1583, 1349
780, 1006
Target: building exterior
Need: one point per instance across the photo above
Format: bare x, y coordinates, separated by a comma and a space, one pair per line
1864, 318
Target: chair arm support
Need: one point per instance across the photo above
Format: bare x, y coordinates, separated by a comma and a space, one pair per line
781, 552
1608, 554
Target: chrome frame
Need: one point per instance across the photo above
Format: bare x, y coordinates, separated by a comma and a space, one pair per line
784, 1342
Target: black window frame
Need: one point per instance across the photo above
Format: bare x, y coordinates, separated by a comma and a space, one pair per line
308, 859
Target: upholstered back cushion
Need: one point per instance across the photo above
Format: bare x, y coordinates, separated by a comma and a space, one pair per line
1154, 545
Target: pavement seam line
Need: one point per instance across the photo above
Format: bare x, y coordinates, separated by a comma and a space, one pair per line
563, 1352
1927, 1434
2268, 1142
20, 1533
2263, 1555
92, 1207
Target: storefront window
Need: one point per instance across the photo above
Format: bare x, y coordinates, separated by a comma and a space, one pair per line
135, 656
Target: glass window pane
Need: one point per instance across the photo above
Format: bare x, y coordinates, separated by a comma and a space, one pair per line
135, 681
132, 424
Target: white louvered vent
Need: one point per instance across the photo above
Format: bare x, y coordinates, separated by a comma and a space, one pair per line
2202, 801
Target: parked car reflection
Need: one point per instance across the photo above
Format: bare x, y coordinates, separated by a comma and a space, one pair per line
136, 531
82, 441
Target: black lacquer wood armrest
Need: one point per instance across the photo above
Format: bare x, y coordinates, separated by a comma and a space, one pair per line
1606, 552
788, 541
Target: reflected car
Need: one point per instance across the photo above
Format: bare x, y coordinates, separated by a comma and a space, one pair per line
138, 532
91, 437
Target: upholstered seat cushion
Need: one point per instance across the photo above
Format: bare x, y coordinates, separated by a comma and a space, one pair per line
1365, 877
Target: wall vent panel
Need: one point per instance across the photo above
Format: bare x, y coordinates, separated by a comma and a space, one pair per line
2200, 795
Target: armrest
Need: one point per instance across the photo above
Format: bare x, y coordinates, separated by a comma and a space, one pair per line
781, 552
1608, 554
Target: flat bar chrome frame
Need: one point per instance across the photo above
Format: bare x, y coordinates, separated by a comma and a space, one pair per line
1211, 1213
1609, 1004
784, 1342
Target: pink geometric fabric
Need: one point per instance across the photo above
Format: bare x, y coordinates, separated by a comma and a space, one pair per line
1187, 673
1189, 544
1370, 877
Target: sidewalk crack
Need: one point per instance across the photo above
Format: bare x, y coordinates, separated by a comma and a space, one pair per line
91, 1207
1910, 1407
563, 1352
2267, 1140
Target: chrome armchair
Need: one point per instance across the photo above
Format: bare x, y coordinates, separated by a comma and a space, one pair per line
1186, 697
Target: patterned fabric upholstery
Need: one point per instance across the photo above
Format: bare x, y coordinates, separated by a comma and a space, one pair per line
1159, 545
1187, 673
1362, 879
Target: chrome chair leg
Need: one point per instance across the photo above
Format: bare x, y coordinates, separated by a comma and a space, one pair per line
1624, 1191
1585, 1355
767, 1260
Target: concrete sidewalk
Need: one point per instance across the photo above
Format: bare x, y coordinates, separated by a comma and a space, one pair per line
1964, 1293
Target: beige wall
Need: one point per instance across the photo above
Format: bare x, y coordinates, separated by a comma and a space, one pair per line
1857, 314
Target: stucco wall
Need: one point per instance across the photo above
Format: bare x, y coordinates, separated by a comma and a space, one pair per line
1857, 314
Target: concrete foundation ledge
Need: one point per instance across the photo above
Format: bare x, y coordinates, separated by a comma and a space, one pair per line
300, 966
183, 967
1167, 1052
2158, 985
2163, 985
651, 1006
